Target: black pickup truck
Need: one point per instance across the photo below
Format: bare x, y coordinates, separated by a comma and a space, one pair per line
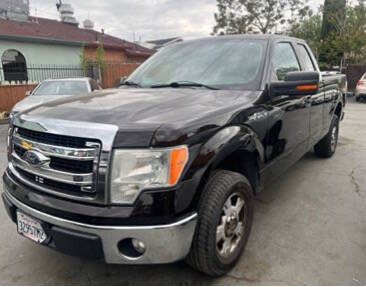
166, 167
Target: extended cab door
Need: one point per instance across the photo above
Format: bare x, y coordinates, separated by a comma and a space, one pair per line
316, 102
289, 131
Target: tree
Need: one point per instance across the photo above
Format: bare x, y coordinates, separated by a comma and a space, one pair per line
344, 39
351, 33
334, 13
257, 16
84, 61
99, 56
309, 29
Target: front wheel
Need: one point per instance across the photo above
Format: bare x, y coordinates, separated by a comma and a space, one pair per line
224, 224
326, 148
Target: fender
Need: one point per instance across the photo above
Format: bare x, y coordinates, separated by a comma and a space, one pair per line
223, 143
209, 155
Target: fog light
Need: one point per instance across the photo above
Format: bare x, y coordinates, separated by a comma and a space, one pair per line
139, 245
131, 248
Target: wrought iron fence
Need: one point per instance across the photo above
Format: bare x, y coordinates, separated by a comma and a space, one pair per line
107, 75
40, 72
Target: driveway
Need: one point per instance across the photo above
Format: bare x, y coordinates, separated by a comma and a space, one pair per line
309, 228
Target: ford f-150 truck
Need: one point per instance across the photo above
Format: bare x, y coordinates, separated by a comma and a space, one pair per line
166, 167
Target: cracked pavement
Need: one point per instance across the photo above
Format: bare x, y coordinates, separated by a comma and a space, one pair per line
309, 229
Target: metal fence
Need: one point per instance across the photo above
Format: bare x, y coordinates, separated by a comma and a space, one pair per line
37, 73
107, 75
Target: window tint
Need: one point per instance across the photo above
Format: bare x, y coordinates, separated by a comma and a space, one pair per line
284, 60
308, 64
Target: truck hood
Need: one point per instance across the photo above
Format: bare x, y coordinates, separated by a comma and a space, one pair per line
33, 101
147, 110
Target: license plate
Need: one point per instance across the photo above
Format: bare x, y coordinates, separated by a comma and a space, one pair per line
30, 228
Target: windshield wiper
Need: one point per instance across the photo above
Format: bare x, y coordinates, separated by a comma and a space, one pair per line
131, 84
183, 84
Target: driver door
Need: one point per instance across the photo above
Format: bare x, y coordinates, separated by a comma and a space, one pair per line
289, 127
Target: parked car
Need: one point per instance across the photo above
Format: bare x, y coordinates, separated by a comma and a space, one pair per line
360, 92
49, 90
167, 167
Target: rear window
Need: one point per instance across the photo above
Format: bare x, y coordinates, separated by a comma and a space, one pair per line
304, 55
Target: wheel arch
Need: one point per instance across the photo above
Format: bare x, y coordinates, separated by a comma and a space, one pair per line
234, 148
338, 110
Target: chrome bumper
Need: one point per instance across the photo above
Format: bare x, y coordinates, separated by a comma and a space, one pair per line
164, 243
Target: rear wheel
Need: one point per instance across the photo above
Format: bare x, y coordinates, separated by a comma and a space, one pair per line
224, 223
327, 147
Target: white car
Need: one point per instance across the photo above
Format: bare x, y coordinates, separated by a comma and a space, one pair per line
360, 91
50, 90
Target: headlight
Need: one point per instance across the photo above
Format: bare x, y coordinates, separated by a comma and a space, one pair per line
136, 170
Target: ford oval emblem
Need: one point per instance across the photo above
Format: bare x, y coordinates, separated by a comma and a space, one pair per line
35, 158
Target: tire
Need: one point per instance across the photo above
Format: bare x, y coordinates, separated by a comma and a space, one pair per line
207, 253
357, 99
327, 147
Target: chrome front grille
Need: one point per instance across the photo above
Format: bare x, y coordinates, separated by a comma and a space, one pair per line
51, 139
70, 168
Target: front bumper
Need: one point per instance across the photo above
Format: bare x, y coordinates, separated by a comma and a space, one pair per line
164, 243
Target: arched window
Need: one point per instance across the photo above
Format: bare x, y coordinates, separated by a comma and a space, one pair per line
14, 66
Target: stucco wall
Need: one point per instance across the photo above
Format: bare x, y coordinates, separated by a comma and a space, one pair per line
44, 53
38, 54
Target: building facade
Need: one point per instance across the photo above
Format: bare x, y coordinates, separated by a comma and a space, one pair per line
33, 49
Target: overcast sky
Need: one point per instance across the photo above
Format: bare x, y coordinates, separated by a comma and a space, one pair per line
148, 19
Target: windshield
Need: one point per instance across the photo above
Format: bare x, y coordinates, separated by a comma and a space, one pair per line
221, 63
58, 88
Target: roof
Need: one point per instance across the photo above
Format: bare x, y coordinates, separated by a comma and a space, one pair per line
53, 30
269, 37
158, 44
161, 42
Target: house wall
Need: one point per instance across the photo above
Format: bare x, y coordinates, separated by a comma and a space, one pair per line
35, 53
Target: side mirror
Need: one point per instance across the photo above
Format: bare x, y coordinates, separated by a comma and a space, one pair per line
297, 84
28, 93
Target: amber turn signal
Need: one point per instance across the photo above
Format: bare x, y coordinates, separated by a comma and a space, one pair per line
307, 87
178, 160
